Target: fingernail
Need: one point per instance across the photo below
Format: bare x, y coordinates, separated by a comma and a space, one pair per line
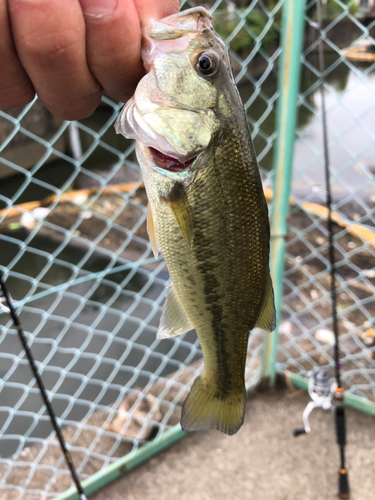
98, 8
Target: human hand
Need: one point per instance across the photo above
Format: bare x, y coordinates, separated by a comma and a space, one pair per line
70, 51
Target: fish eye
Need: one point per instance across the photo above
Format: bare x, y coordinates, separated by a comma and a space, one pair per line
206, 64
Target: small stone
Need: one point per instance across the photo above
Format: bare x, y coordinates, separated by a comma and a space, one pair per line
40, 212
325, 336
27, 220
286, 328
367, 339
79, 198
370, 332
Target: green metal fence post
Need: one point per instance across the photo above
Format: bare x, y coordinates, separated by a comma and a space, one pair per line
288, 86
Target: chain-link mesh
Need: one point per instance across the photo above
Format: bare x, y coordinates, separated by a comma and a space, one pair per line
89, 292
306, 339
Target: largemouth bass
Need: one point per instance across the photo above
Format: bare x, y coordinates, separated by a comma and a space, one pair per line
207, 212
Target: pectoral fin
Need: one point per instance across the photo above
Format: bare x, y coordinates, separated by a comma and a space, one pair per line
174, 320
151, 232
176, 200
267, 317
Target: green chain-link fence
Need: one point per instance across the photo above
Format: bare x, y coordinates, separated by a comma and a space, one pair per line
76, 258
305, 337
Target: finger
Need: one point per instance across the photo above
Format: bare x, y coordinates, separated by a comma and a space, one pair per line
50, 39
113, 37
157, 10
15, 86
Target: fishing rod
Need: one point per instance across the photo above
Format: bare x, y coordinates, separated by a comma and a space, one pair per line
68, 458
339, 392
321, 387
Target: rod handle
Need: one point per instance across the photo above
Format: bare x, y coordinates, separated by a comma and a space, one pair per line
343, 484
298, 432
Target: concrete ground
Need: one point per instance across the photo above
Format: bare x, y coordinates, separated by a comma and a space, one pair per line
263, 461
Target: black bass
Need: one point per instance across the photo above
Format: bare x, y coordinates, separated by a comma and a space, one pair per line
207, 212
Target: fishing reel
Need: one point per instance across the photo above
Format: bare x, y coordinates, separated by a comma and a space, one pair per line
322, 388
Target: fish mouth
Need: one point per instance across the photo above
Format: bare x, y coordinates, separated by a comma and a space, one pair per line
169, 163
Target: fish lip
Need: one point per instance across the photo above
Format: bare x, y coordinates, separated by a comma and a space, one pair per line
169, 163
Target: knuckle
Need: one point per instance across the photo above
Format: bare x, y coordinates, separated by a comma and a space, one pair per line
76, 110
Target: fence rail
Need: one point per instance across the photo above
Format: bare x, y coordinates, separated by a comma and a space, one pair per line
76, 257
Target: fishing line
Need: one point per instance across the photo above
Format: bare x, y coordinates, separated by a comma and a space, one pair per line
338, 394
50, 410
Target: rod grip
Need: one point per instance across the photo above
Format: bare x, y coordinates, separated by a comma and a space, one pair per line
343, 484
298, 432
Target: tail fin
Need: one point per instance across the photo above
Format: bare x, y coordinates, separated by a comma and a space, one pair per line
205, 408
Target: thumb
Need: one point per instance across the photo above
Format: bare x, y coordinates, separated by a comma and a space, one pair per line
156, 9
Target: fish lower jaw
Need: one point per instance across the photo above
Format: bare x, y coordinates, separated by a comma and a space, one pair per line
168, 163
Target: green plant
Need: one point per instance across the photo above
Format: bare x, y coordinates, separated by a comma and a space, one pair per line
225, 22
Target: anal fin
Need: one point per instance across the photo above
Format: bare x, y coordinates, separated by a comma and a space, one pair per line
174, 320
267, 316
